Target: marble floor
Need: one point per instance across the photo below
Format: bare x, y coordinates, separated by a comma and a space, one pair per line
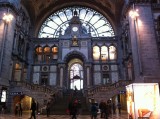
27, 115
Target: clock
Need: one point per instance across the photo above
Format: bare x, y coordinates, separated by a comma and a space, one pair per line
75, 29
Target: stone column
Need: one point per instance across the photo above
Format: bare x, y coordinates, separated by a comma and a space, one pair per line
61, 74
6, 42
87, 73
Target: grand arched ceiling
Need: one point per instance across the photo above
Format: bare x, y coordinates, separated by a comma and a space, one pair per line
39, 10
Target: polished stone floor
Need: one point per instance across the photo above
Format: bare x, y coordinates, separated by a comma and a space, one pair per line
27, 115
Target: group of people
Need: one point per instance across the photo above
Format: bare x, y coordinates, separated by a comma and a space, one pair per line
106, 108
19, 110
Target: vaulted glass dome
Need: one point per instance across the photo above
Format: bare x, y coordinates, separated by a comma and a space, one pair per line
95, 23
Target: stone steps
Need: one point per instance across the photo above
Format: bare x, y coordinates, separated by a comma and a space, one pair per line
61, 105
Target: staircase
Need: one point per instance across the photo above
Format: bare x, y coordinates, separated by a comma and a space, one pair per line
39, 93
61, 105
107, 91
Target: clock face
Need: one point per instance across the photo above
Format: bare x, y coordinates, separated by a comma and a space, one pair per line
75, 29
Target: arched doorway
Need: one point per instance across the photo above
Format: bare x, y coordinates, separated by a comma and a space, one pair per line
75, 74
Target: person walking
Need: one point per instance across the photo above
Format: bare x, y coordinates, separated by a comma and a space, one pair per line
74, 109
33, 108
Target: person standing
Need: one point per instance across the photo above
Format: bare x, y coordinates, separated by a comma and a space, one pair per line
16, 109
20, 109
48, 109
114, 108
106, 110
33, 108
101, 107
94, 111
119, 107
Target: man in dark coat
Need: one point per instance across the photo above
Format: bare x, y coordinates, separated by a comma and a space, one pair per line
33, 108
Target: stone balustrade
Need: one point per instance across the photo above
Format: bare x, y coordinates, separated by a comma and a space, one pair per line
35, 87
113, 88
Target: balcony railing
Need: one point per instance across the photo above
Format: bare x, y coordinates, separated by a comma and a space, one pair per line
156, 5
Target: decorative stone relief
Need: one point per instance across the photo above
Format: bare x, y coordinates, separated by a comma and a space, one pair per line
97, 78
114, 76
66, 44
52, 79
17, 75
97, 67
53, 68
83, 43
114, 68
36, 78
36, 68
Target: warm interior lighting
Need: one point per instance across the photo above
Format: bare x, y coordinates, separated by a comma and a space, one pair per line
7, 17
133, 14
96, 53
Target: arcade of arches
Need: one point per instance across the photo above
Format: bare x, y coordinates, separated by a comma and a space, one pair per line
56, 46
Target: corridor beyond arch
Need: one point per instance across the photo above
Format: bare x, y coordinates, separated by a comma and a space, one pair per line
75, 74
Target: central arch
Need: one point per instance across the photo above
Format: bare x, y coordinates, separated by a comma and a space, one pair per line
75, 70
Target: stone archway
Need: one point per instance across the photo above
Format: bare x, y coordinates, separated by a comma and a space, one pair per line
73, 60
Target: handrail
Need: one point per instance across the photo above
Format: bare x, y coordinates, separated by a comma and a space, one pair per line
104, 88
35, 87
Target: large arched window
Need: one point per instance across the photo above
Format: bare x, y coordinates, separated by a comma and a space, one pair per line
54, 52
96, 53
47, 56
38, 54
104, 53
112, 53
94, 22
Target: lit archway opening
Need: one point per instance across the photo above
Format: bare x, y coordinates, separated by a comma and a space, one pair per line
76, 76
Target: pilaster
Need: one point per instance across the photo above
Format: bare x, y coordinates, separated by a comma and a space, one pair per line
144, 47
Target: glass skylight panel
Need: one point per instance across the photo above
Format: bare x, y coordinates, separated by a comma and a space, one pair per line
63, 16
82, 14
57, 20
88, 16
48, 30
69, 14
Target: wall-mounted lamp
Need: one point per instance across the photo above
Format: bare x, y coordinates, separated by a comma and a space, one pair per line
7, 17
134, 13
